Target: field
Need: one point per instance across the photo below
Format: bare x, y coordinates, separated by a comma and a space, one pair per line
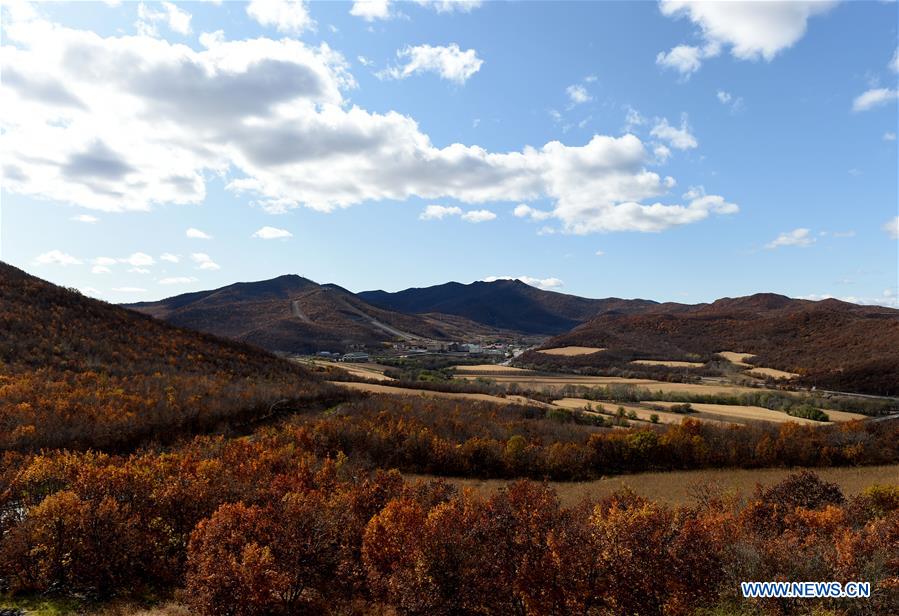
374, 372
738, 359
491, 368
679, 487
403, 391
670, 364
775, 374
571, 351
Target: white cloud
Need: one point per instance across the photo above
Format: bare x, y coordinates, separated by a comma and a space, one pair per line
364, 61
145, 122
197, 234
138, 259
894, 62
177, 280
439, 212
272, 233
105, 261
370, 10
874, 98
57, 257
450, 6
600, 253
889, 136
477, 216
129, 290
540, 283
523, 210
100, 269
662, 153
167, 256
752, 30
578, 94
686, 59
797, 237
892, 227
203, 261
679, 138
87, 218
287, 16
724, 97
177, 19
632, 119
450, 63
139, 270
887, 299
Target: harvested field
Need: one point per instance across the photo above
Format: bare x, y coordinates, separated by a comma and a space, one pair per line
771, 372
554, 382
642, 412
483, 369
670, 364
371, 371
677, 487
404, 391
571, 351
738, 359
740, 414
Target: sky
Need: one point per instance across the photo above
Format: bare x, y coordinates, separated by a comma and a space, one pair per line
674, 151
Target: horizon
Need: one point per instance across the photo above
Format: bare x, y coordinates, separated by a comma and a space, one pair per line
422, 143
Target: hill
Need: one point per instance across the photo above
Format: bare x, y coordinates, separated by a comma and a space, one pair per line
79, 372
508, 304
293, 314
831, 344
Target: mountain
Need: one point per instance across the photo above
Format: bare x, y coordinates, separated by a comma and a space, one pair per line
831, 344
78, 372
293, 314
509, 304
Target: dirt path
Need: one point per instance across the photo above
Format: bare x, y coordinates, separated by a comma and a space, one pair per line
298, 312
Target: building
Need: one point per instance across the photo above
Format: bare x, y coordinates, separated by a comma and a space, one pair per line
357, 357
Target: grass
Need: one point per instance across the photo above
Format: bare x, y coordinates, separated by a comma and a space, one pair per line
54, 606
677, 487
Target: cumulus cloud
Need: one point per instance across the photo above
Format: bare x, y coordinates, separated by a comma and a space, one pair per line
724, 97
523, 210
752, 30
600, 253
272, 233
177, 280
875, 97
177, 19
894, 61
797, 237
439, 212
892, 227
449, 62
100, 269
679, 138
139, 270
477, 216
686, 59
287, 16
370, 10
167, 256
204, 261
889, 136
57, 257
196, 234
540, 283
450, 6
578, 94
156, 119
86, 218
138, 259
104, 261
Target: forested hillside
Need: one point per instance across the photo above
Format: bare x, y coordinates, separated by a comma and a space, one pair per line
78, 372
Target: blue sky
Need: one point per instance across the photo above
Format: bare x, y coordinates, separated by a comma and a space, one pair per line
671, 151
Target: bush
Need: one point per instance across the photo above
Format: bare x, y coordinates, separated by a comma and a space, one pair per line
807, 411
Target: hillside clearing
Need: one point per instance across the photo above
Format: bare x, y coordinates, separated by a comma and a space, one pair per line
771, 372
571, 351
668, 363
736, 358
